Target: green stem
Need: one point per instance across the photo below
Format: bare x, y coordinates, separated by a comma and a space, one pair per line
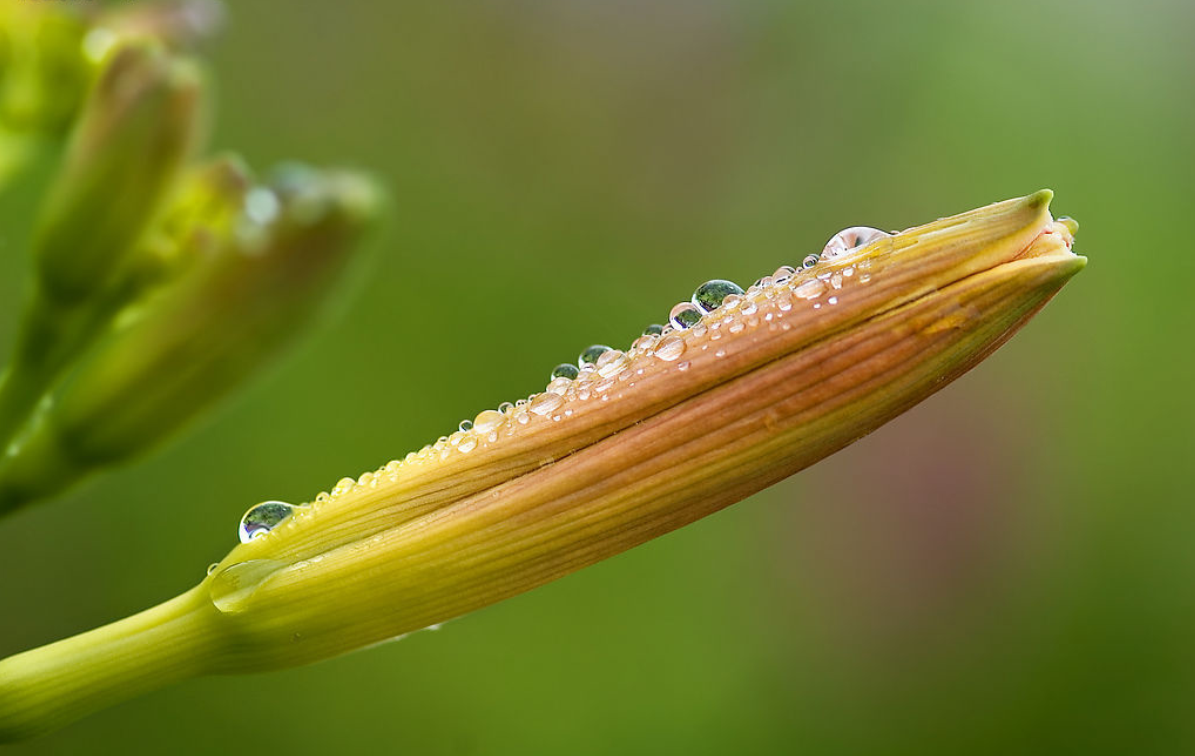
51, 686
50, 338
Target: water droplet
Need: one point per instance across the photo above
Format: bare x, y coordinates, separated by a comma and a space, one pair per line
469, 444
611, 363
670, 348
545, 403
684, 315
720, 353
833, 300
683, 365
212, 567
653, 330
505, 407
809, 261
645, 342
710, 294
565, 370
488, 420
811, 289
263, 518
466, 425
591, 354
850, 239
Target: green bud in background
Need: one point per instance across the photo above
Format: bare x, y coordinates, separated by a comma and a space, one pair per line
137, 128
45, 72
231, 308
50, 51
206, 207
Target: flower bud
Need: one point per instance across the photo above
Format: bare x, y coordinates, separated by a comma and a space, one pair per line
137, 128
43, 71
635, 445
237, 300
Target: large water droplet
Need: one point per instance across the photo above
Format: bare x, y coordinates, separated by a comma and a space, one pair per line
670, 348
710, 294
850, 239
811, 289
545, 403
488, 420
263, 518
684, 315
591, 354
565, 370
611, 363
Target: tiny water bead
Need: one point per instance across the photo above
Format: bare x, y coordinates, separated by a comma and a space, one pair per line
684, 315
710, 294
653, 330
851, 238
809, 261
591, 354
263, 518
466, 425
566, 370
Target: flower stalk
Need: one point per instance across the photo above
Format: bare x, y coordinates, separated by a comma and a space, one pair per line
679, 426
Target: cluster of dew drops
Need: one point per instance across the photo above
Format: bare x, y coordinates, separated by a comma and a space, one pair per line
596, 370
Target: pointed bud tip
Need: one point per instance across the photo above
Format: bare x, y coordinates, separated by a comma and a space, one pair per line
1040, 199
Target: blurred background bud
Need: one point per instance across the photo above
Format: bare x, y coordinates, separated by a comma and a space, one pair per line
44, 72
49, 51
138, 127
233, 305
203, 212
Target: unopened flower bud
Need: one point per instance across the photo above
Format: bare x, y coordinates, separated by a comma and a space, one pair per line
137, 128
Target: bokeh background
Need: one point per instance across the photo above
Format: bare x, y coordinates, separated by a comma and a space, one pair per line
1009, 568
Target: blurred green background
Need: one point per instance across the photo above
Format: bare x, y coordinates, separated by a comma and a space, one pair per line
1006, 569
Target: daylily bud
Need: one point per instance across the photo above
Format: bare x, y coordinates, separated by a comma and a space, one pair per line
231, 309
200, 219
752, 389
136, 130
44, 72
